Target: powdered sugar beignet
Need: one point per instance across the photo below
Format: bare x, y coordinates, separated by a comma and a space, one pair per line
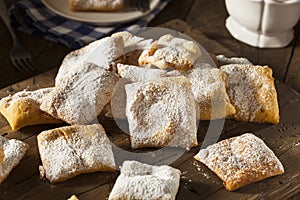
170, 51
161, 112
13, 151
68, 151
80, 98
102, 53
23, 109
240, 160
252, 92
143, 181
96, 5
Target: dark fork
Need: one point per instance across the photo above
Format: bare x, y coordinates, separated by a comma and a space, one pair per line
19, 56
141, 5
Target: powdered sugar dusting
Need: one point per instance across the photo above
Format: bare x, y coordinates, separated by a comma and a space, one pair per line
209, 90
241, 160
130, 74
23, 108
161, 112
252, 92
105, 5
68, 151
170, 51
99, 53
37, 95
143, 181
14, 150
138, 74
80, 98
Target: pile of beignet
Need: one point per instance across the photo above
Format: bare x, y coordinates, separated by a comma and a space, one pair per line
161, 87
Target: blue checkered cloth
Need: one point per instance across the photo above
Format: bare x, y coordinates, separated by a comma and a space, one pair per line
32, 17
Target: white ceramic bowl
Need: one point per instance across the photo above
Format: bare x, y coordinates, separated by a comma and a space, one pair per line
263, 23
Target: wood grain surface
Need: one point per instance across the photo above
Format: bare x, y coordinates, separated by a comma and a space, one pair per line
207, 17
197, 181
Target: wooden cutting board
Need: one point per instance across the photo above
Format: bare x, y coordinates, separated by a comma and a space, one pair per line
197, 181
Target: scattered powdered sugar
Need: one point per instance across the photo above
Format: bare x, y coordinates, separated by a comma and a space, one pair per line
296, 144
14, 150
240, 160
143, 181
206, 175
199, 169
184, 173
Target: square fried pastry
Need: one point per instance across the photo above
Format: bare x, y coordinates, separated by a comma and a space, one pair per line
170, 51
209, 90
130, 74
240, 160
142, 181
23, 109
68, 151
102, 53
252, 92
80, 98
161, 113
13, 151
96, 5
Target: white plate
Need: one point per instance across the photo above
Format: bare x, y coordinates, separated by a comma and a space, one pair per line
127, 14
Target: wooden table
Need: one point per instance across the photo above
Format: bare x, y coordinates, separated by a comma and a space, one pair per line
197, 182
206, 16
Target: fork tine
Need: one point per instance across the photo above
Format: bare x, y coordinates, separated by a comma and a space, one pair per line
30, 64
18, 54
22, 64
26, 65
16, 64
